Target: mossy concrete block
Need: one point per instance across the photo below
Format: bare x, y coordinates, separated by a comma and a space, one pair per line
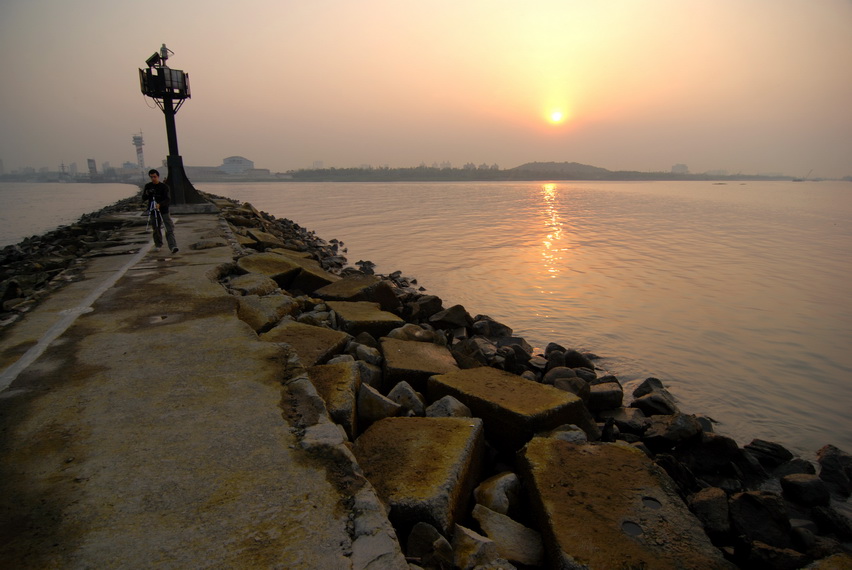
356, 317
263, 312
265, 239
337, 384
609, 506
414, 361
424, 469
361, 288
280, 268
314, 345
513, 408
290, 272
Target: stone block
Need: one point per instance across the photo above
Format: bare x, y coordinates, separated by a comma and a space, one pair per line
414, 361
361, 288
424, 469
260, 313
608, 506
337, 385
264, 239
513, 409
314, 345
605, 396
356, 317
290, 272
514, 541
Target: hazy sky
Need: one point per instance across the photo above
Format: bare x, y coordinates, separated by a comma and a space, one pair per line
742, 85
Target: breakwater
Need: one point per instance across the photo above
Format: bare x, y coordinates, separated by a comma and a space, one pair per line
409, 355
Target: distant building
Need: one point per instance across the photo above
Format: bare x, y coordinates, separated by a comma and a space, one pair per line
680, 169
236, 165
318, 165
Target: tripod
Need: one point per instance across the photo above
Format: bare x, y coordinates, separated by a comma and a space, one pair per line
155, 218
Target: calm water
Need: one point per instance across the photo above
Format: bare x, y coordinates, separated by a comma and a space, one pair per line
32, 209
735, 295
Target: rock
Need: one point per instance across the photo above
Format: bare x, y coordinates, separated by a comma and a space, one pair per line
714, 456
682, 476
557, 372
500, 492
807, 490
253, 284
448, 407
424, 469
655, 404
412, 332
337, 385
605, 505
454, 317
414, 361
761, 516
836, 469
761, 555
831, 522
512, 408
556, 359
314, 345
575, 385
650, 385
605, 396
769, 454
576, 359
372, 406
424, 307
795, 465
361, 287
514, 541
570, 433
370, 374
472, 550
368, 354
628, 420
664, 432
404, 395
710, 505
478, 349
364, 316
842, 561
429, 547
488, 327
261, 313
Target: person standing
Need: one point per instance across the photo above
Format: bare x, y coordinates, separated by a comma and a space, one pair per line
160, 194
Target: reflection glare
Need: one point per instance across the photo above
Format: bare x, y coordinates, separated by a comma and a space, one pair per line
553, 226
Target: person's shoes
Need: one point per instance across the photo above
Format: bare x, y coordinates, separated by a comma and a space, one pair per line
158, 247
175, 250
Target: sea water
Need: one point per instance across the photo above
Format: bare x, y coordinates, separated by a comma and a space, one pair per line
735, 295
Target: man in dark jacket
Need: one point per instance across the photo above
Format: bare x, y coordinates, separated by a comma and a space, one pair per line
157, 197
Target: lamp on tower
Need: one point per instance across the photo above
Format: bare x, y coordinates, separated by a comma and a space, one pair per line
170, 88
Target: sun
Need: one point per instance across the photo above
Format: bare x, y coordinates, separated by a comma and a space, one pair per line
556, 116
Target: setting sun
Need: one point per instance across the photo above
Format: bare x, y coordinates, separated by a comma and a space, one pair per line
556, 117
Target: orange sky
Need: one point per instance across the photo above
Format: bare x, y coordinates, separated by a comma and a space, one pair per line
752, 87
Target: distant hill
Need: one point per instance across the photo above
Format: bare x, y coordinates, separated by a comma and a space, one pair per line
574, 168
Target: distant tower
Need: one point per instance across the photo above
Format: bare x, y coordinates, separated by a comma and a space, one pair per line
139, 143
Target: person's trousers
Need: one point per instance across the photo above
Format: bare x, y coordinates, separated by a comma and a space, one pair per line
169, 226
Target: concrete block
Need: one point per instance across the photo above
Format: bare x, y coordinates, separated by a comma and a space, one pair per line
361, 288
290, 272
424, 469
414, 362
338, 386
314, 345
609, 506
356, 317
513, 409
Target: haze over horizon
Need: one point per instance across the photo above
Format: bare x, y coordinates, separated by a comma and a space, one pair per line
747, 87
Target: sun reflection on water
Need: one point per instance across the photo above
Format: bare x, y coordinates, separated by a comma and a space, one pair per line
553, 226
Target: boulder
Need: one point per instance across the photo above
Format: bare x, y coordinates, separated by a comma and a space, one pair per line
338, 385
836, 469
514, 541
769, 454
606, 505
710, 505
412, 332
404, 395
605, 396
261, 313
428, 547
423, 307
360, 287
472, 550
557, 372
252, 284
576, 359
807, 490
761, 516
512, 408
500, 492
655, 404
424, 469
473, 352
832, 523
575, 385
414, 361
364, 316
448, 407
372, 406
665, 432
314, 345
627, 420
489, 328
452, 318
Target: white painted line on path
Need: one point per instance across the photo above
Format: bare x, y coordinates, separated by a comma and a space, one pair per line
66, 320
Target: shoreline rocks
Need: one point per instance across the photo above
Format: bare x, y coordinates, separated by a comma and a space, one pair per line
391, 362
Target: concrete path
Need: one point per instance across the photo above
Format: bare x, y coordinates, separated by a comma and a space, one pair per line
144, 425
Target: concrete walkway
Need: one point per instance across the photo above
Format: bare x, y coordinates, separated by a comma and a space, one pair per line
144, 425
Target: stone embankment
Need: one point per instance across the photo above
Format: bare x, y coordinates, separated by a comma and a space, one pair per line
486, 452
